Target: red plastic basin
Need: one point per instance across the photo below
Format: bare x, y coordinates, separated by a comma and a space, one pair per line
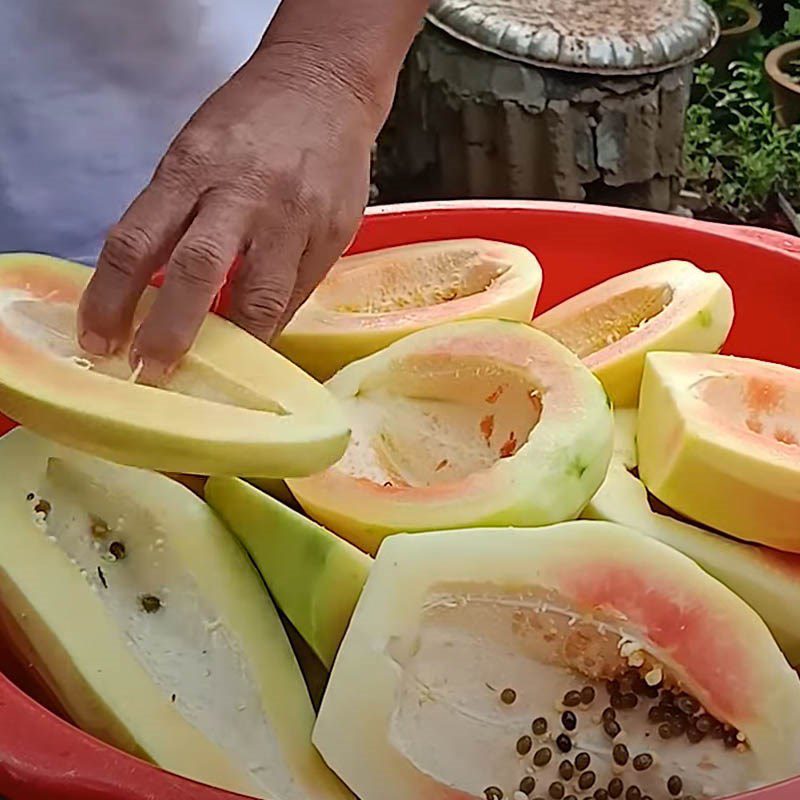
42, 757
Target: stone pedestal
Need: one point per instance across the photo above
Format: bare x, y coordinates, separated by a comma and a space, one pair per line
468, 123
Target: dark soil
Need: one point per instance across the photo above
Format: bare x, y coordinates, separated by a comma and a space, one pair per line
772, 218
732, 17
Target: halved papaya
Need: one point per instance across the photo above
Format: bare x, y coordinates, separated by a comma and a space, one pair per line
370, 300
554, 662
147, 621
233, 407
672, 305
719, 442
767, 580
314, 576
471, 423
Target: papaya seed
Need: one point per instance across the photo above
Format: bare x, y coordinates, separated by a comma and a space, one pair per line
674, 785
150, 603
493, 793
615, 788
586, 780
564, 743
642, 762
524, 744
541, 758
572, 699
508, 696
527, 784
539, 726
117, 549
569, 721
582, 761
587, 695
556, 790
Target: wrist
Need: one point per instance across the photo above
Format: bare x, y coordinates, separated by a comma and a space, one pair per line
333, 77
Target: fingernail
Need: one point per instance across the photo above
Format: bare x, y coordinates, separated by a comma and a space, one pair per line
149, 371
95, 344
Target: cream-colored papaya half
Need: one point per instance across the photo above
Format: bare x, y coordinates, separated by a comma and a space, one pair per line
672, 305
719, 442
767, 580
233, 406
370, 300
471, 651
470, 423
150, 625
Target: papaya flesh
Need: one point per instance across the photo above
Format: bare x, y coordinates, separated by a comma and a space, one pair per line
672, 305
147, 621
467, 424
767, 580
719, 442
482, 663
233, 406
370, 300
314, 576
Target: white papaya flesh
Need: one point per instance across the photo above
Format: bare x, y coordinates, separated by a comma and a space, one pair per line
672, 305
146, 620
467, 424
314, 576
370, 300
232, 407
554, 662
719, 442
767, 580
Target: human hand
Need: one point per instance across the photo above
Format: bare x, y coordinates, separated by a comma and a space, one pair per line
275, 167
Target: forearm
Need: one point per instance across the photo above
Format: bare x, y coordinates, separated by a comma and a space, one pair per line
358, 45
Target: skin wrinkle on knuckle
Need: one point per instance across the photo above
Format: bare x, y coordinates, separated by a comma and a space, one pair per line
200, 262
125, 247
261, 306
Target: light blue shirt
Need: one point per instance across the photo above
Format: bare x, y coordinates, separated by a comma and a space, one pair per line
91, 94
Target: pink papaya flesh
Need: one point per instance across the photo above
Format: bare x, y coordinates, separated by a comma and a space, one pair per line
719, 442
554, 662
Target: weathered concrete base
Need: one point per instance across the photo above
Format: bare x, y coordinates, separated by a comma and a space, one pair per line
470, 124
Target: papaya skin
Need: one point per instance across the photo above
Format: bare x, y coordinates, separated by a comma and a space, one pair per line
767, 580
314, 576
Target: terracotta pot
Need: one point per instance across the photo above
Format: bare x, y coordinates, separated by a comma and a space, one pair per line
785, 90
731, 40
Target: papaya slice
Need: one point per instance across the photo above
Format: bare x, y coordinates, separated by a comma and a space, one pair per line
719, 442
672, 305
471, 423
767, 580
233, 407
554, 662
368, 301
314, 576
147, 621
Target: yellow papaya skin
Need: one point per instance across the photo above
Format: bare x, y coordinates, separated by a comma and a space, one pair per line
719, 442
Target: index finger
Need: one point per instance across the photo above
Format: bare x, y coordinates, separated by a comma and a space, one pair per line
136, 247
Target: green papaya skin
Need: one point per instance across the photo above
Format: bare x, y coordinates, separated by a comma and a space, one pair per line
314, 576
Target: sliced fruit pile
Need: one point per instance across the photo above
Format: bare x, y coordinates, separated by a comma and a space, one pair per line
415, 519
